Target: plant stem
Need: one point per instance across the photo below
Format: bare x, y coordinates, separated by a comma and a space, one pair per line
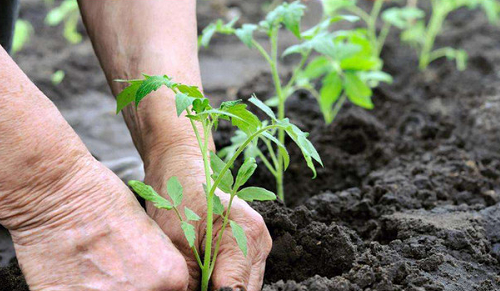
372, 24
266, 162
273, 60
281, 111
219, 239
435, 23
195, 251
382, 37
208, 237
210, 207
337, 107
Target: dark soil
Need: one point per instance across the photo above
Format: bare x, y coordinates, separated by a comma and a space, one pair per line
408, 198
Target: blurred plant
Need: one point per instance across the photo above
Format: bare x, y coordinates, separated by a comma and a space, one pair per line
58, 77
345, 65
422, 36
68, 14
23, 31
399, 17
190, 100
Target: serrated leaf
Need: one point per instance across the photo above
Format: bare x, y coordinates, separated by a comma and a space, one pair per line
150, 84
245, 34
191, 215
174, 190
126, 96
357, 91
182, 102
251, 194
360, 63
218, 207
189, 233
191, 91
217, 166
148, 193
267, 110
245, 172
329, 94
200, 105
239, 235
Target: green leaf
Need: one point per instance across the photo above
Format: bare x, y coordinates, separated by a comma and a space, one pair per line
150, 84
148, 193
292, 15
57, 77
200, 105
126, 96
461, 58
306, 147
217, 166
207, 34
245, 34
251, 194
182, 102
358, 92
331, 7
218, 207
402, 18
267, 110
191, 215
247, 121
329, 94
191, 91
360, 63
317, 68
189, 233
239, 235
245, 172
174, 190
22, 34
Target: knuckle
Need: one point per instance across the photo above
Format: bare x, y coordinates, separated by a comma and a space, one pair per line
176, 278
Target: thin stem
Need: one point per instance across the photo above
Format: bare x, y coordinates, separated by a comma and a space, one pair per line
266, 162
281, 111
296, 71
382, 37
439, 53
210, 207
271, 152
219, 239
360, 12
372, 24
435, 23
337, 107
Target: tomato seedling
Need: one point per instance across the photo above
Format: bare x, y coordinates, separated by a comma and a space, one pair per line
67, 12
191, 102
345, 65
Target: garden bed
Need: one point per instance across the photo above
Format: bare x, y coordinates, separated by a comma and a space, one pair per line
408, 196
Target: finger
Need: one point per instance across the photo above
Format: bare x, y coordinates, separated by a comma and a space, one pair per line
257, 275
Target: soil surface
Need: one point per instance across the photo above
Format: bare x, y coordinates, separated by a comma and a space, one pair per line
409, 195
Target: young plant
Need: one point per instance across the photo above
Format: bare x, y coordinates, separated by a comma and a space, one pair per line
22, 34
345, 65
422, 36
68, 13
204, 119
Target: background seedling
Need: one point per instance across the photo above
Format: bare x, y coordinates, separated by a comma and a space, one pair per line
192, 103
346, 67
68, 14
22, 34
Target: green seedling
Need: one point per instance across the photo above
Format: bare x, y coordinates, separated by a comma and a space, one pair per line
393, 17
345, 66
22, 34
67, 13
421, 35
191, 103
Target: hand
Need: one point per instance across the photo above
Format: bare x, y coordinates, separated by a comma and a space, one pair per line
94, 236
232, 268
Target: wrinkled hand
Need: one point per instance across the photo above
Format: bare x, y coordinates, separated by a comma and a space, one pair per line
232, 268
89, 233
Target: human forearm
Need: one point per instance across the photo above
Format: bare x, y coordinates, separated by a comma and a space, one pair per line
152, 37
38, 149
